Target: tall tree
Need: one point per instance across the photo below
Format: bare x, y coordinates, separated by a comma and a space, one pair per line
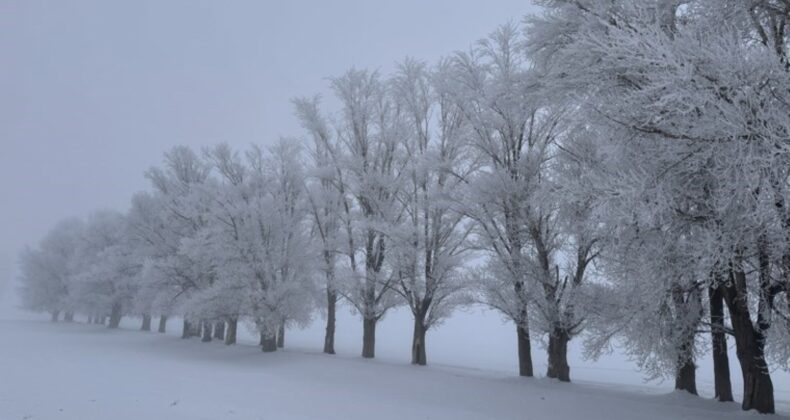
182, 207
696, 110
433, 239
368, 128
328, 203
512, 137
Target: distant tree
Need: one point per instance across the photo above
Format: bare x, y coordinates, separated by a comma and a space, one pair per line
109, 269
152, 242
46, 271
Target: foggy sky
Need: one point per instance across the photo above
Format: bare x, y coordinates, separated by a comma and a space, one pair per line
92, 92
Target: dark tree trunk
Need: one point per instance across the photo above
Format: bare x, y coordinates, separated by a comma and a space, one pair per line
689, 304
206, 336
69, 317
281, 336
187, 329
721, 361
115, 316
686, 377
146, 323
230, 335
329, 337
524, 352
418, 356
369, 338
219, 330
758, 389
162, 324
55, 316
90, 319
268, 342
558, 355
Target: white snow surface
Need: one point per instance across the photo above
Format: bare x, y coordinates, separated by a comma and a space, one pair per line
87, 372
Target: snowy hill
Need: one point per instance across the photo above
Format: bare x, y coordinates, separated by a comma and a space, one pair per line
85, 372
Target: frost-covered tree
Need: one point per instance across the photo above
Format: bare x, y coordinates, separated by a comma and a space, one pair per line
109, 269
284, 288
216, 244
46, 272
256, 241
153, 243
87, 267
181, 206
429, 247
512, 135
564, 240
327, 203
369, 131
694, 98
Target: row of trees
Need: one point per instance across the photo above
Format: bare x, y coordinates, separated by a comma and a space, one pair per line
621, 169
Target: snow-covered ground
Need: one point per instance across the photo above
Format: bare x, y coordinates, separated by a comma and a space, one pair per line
83, 372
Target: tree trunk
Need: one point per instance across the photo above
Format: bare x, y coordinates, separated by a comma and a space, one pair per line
281, 335
329, 336
418, 356
206, 335
55, 316
758, 389
230, 335
115, 316
524, 352
69, 317
721, 361
186, 331
162, 324
268, 342
685, 369
90, 319
219, 330
146, 323
558, 355
103, 320
369, 338
686, 377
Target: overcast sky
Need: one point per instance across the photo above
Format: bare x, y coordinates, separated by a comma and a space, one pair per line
92, 92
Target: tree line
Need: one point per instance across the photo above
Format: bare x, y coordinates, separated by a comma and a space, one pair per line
616, 171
